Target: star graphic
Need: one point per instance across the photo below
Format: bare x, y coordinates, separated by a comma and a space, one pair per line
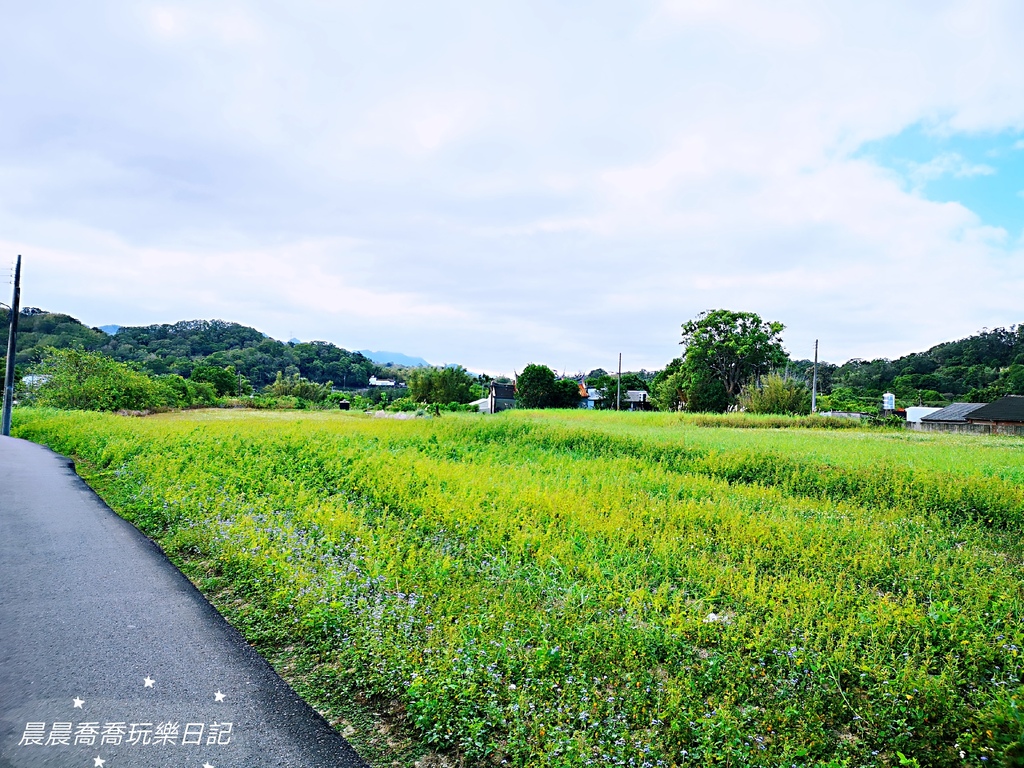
78, 702
97, 762
149, 681
218, 696
207, 765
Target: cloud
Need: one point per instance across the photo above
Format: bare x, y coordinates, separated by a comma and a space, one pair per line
509, 183
948, 164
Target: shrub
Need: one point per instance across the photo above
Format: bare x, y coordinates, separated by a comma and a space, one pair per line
775, 395
299, 387
88, 381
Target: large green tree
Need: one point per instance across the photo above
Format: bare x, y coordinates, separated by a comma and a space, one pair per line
538, 387
224, 380
451, 384
731, 348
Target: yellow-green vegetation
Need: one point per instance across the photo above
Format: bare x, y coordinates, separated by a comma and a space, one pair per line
610, 589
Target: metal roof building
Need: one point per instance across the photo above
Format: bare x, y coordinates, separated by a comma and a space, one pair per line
1005, 416
954, 412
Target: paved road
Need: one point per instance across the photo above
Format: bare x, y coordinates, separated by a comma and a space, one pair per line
110, 658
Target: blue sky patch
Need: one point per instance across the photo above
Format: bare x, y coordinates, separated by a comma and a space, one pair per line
983, 172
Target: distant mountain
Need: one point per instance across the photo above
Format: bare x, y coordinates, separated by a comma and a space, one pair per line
110, 330
383, 358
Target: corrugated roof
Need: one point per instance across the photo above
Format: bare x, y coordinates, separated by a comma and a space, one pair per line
954, 412
503, 391
1009, 408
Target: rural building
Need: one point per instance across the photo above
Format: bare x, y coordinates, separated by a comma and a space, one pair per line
632, 399
1005, 416
501, 397
375, 382
637, 400
917, 412
952, 418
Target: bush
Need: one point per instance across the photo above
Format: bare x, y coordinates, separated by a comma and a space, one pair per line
298, 387
773, 394
88, 381
183, 393
404, 405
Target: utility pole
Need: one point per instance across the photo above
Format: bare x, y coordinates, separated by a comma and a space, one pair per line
814, 381
12, 346
618, 386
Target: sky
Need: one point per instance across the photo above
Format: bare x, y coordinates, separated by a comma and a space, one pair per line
495, 184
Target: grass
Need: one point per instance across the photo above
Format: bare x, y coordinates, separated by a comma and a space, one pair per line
561, 588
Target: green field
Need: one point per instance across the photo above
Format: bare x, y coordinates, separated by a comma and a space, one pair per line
565, 589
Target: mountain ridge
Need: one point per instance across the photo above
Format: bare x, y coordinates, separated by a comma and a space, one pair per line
396, 358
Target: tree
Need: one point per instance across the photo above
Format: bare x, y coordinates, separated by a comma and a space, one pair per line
730, 348
440, 385
224, 380
680, 388
609, 386
534, 386
538, 387
669, 394
706, 394
565, 394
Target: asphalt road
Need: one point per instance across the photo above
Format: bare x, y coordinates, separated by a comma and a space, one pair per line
110, 658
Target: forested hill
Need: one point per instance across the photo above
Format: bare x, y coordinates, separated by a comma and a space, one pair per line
980, 368
179, 347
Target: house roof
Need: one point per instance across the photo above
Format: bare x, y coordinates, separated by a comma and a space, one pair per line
954, 412
1009, 408
503, 391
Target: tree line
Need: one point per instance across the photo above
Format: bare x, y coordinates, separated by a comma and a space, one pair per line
735, 359
728, 360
